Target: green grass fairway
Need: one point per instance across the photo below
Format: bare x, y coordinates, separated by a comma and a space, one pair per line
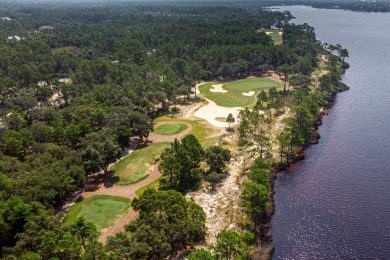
170, 129
153, 185
136, 166
234, 96
102, 210
276, 37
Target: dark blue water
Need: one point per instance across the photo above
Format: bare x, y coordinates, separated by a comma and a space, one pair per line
336, 203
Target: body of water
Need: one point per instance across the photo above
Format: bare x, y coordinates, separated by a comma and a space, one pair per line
336, 203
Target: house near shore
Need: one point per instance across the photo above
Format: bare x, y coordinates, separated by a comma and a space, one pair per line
42, 83
65, 80
14, 38
46, 27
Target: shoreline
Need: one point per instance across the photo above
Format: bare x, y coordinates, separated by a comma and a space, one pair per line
266, 249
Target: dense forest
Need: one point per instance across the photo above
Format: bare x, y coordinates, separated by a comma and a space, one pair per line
77, 84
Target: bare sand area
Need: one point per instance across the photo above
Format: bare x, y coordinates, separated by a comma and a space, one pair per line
249, 93
222, 205
218, 88
211, 111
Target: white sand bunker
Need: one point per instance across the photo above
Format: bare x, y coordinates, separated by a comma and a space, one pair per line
268, 33
248, 94
212, 111
280, 33
218, 88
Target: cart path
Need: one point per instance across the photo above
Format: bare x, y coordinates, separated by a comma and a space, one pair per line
102, 186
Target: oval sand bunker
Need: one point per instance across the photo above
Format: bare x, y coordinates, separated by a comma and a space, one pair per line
217, 88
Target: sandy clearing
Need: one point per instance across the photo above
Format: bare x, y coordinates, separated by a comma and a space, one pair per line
280, 33
211, 111
249, 93
218, 88
268, 33
197, 87
274, 76
222, 206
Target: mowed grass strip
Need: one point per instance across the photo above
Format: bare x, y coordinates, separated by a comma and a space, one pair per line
136, 166
102, 210
170, 129
153, 185
234, 96
277, 38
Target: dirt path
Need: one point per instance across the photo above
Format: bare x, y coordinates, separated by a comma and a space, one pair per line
102, 186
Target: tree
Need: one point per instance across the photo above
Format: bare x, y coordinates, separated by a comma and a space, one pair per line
201, 254
217, 158
15, 121
101, 149
123, 134
286, 70
119, 246
85, 231
167, 222
254, 198
344, 54
170, 168
230, 119
273, 93
214, 178
16, 143
194, 149
263, 143
262, 97
230, 245
14, 213
180, 164
95, 251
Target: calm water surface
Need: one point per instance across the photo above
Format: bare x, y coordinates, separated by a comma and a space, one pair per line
336, 203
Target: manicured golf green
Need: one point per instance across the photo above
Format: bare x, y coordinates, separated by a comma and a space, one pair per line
275, 35
201, 129
137, 165
234, 97
102, 210
170, 129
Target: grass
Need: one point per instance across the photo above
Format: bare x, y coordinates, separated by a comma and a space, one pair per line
170, 129
201, 129
234, 96
153, 185
276, 37
102, 210
136, 166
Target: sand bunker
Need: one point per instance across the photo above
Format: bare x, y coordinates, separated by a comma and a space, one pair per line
268, 33
212, 111
248, 94
218, 88
280, 33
